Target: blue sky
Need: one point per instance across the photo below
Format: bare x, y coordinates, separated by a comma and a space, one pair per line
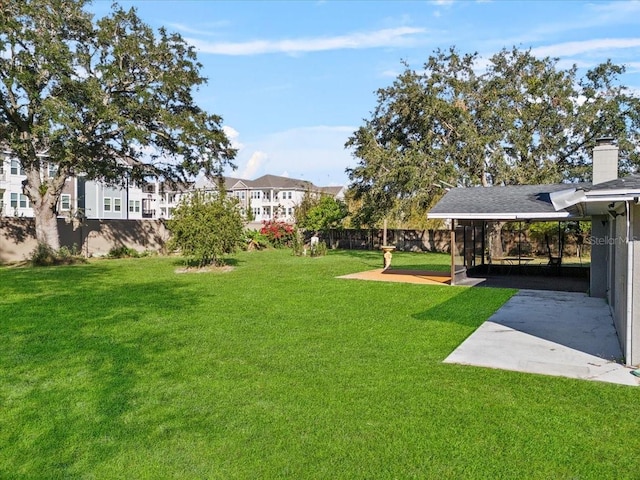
293, 79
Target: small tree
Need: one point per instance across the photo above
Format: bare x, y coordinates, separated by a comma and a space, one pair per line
205, 227
327, 213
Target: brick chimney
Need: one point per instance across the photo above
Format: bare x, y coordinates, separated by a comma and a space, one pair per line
605, 160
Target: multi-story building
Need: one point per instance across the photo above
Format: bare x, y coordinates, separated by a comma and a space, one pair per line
270, 196
14, 203
267, 197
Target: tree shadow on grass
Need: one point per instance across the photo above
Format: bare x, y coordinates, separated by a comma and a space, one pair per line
184, 261
468, 307
76, 352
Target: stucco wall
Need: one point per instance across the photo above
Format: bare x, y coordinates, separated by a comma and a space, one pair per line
93, 237
618, 278
599, 256
635, 330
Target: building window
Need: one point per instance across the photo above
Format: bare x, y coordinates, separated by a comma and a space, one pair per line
256, 212
16, 168
53, 168
117, 204
289, 195
134, 206
255, 194
290, 211
24, 201
65, 201
107, 204
14, 200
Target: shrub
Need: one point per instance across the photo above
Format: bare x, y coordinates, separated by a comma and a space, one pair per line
123, 252
297, 243
254, 240
44, 256
205, 227
319, 249
280, 234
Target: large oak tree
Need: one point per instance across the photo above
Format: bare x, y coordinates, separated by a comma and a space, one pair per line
520, 120
108, 98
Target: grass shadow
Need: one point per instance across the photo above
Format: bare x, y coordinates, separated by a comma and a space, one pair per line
75, 355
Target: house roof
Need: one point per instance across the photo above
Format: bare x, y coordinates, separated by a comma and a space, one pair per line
511, 202
332, 190
268, 182
630, 184
275, 181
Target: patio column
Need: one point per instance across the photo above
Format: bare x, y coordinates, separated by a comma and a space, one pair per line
452, 249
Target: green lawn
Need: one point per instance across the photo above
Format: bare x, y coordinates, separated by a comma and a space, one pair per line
126, 369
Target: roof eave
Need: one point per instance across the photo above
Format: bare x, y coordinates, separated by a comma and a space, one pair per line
500, 216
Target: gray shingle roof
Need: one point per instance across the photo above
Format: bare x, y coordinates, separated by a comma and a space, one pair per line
632, 182
275, 181
499, 201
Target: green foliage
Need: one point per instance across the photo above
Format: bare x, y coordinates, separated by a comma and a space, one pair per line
107, 98
541, 230
318, 250
205, 227
297, 242
45, 256
126, 252
325, 213
254, 240
524, 120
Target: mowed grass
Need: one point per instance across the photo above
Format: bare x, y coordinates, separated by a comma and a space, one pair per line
277, 369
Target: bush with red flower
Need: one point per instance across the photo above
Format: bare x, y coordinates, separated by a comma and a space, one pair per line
279, 234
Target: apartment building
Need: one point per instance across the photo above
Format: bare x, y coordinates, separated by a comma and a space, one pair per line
14, 203
267, 197
270, 196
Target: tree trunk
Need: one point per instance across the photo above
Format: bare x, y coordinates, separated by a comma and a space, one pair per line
46, 225
494, 236
44, 195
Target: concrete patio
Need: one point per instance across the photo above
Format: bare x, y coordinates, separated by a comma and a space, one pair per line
555, 333
548, 332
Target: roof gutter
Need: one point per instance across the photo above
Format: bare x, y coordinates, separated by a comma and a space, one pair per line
567, 198
500, 216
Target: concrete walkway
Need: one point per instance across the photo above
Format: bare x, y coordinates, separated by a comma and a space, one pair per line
552, 333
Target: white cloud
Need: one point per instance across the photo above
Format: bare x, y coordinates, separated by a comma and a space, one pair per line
390, 73
252, 167
232, 134
586, 46
388, 37
206, 29
316, 154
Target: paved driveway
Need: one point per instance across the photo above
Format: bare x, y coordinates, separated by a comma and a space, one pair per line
552, 333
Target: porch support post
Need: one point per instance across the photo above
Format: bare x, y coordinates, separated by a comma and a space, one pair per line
453, 252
